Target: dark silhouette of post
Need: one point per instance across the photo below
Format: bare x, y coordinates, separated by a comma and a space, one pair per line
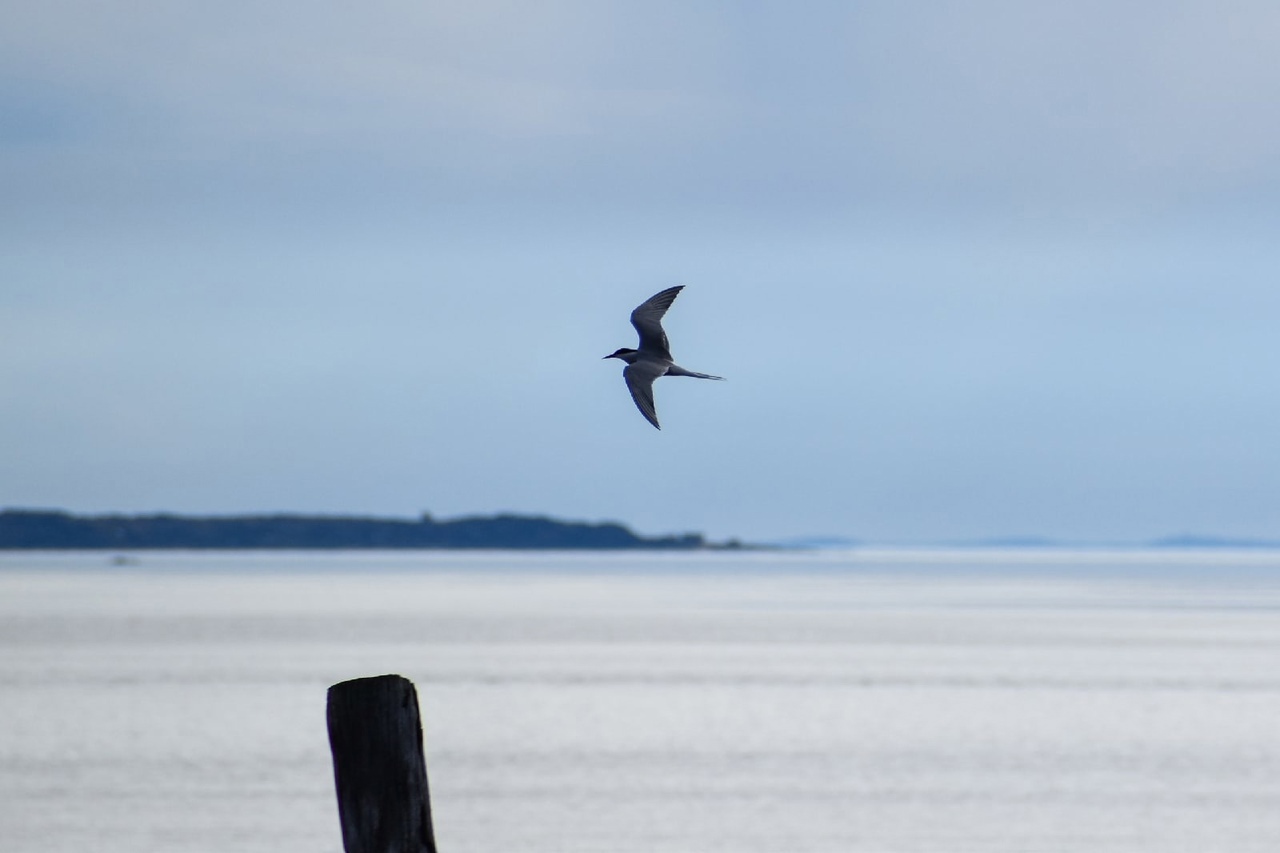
375, 735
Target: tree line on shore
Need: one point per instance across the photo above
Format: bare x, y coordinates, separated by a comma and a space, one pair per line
28, 528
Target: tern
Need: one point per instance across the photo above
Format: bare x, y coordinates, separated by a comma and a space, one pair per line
653, 358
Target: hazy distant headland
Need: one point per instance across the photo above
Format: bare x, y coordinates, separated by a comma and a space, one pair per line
54, 529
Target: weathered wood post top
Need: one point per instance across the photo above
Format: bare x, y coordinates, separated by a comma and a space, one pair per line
375, 734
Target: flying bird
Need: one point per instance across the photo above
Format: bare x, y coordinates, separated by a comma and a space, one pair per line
653, 358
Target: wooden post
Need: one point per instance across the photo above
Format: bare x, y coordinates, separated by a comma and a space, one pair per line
375, 735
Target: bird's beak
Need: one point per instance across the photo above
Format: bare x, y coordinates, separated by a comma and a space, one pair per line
610, 355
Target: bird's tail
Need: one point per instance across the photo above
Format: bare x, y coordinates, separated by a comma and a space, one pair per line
677, 370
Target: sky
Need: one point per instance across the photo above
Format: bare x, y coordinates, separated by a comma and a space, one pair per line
972, 269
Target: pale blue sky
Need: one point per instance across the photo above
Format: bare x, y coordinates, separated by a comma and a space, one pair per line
972, 269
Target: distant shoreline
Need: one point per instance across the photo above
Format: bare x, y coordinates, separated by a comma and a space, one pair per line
54, 529
38, 529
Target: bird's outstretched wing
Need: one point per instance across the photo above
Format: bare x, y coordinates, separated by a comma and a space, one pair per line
647, 318
640, 378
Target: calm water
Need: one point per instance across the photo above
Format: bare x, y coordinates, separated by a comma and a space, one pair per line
865, 701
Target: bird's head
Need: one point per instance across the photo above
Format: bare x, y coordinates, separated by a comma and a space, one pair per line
625, 354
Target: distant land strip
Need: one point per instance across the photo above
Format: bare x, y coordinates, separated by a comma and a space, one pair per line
55, 529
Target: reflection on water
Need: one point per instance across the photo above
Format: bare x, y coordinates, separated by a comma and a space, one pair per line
864, 701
